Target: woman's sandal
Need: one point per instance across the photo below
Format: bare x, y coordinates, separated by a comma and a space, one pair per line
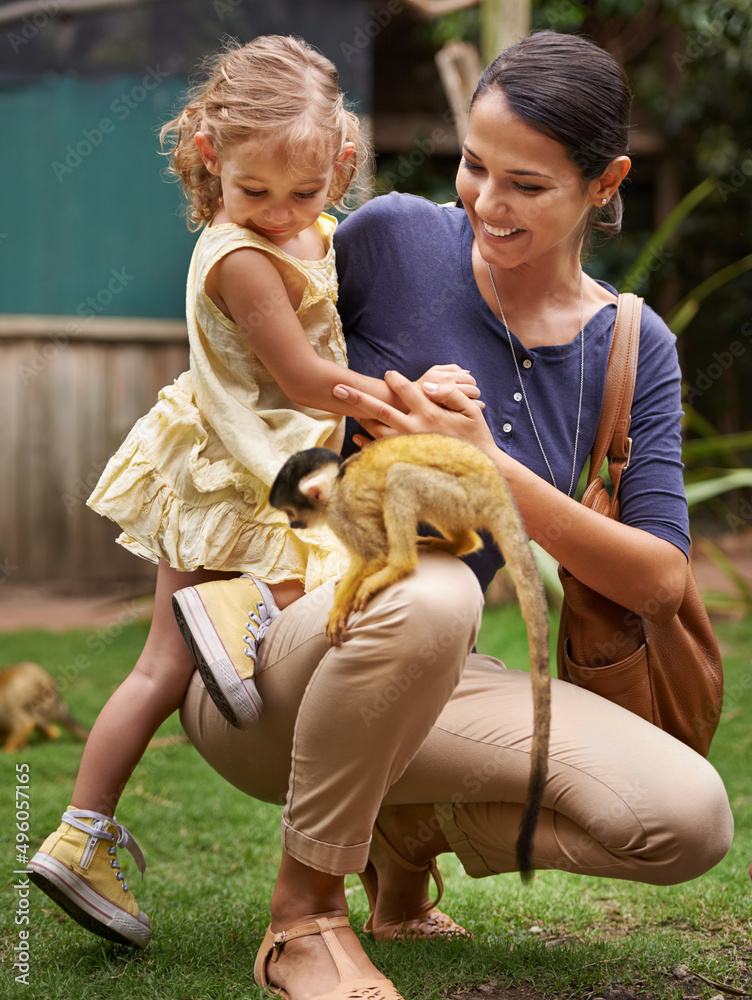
430, 923
352, 986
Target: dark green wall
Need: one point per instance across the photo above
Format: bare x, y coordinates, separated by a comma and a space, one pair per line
88, 221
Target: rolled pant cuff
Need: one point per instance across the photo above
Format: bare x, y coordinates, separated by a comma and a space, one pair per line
334, 859
447, 816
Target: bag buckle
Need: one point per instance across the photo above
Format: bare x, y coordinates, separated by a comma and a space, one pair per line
629, 453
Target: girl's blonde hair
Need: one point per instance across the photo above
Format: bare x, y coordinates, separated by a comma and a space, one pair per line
276, 88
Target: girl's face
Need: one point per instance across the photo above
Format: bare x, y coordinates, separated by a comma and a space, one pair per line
263, 190
524, 198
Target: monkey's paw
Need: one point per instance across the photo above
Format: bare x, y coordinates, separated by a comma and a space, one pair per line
336, 629
363, 596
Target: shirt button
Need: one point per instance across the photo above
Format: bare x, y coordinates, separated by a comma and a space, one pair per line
527, 363
517, 397
507, 428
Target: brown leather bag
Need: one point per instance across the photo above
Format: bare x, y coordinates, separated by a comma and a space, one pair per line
670, 674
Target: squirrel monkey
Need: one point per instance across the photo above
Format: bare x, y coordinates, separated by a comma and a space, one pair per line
374, 502
29, 698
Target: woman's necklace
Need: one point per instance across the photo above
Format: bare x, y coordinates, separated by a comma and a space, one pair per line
522, 387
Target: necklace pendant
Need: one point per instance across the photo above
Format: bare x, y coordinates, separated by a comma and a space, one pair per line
528, 364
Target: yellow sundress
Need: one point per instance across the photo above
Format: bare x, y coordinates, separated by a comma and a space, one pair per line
190, 483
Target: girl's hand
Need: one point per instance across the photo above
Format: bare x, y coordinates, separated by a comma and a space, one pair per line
453, 375
441, 409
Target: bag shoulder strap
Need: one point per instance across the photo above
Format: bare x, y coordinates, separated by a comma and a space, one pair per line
612, 437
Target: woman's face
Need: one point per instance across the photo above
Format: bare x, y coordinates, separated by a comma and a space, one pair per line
525, 199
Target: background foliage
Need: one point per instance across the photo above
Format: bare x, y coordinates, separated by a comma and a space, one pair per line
690, 67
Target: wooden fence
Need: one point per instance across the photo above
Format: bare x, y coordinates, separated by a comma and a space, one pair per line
70, 390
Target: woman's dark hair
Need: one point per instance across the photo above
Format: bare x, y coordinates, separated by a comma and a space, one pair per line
569, 89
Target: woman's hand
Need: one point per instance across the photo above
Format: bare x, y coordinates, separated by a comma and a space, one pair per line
453, 375
431, 407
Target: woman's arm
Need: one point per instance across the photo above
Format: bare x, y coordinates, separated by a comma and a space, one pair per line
640, 571
245, 281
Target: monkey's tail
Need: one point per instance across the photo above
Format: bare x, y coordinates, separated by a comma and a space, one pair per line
539, 669
532, 599
540, 672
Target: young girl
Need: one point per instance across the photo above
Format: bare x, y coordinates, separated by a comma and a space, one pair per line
261, 149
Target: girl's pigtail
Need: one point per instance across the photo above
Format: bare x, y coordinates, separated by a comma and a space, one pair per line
351, 184
202, 189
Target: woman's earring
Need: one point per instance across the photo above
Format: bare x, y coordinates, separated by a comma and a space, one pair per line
603, 201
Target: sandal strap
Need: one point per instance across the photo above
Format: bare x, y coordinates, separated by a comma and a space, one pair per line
438, 882
429, 866
274, 941
429, 923
353, 985
318, 926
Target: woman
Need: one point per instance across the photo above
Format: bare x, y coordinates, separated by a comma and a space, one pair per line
403, 726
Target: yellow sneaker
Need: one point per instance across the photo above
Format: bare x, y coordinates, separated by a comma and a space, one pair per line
223, 622
77, 867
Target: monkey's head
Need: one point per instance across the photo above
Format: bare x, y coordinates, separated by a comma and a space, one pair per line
303, 486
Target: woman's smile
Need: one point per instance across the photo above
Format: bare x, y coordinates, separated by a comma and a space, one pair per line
500, 233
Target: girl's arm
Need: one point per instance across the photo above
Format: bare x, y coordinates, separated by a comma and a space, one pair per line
248, 287
632, 567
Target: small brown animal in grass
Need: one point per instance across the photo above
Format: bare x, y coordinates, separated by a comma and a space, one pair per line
374, 502
29, 698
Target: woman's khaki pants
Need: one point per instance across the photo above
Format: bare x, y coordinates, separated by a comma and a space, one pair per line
404, 712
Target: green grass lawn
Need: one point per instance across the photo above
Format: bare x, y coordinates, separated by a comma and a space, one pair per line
212, 855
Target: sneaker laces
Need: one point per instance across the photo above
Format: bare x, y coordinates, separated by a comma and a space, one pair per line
98, 830
260, 619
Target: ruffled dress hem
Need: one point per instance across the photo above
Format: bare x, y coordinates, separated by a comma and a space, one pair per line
173, 503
